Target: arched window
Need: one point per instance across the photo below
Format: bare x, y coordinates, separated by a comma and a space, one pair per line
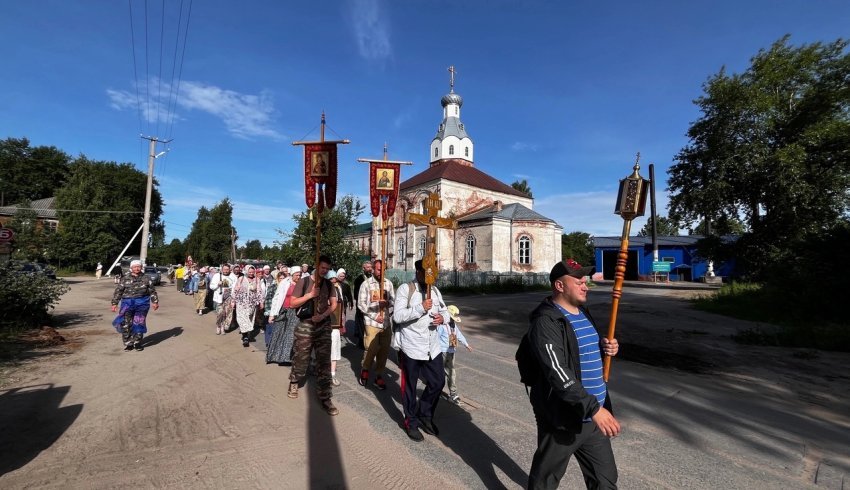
466, 151
401, 250
524, 250
436, 152
451, 149
470, 249
422, 207
421, 251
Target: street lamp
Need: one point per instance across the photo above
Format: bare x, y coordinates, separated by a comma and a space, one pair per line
631, 203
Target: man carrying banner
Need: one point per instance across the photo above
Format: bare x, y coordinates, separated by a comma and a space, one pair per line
314, 300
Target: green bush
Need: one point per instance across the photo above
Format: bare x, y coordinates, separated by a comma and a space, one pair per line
27, 298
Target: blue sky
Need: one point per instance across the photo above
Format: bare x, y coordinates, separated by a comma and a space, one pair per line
560, 93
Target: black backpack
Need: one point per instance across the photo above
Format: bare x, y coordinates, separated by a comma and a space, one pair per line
526, 362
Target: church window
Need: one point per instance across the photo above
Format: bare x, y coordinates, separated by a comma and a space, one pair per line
470, 249
524, 250
436, 152
401, 250
460, 125
466, 151
421, 251
451, 149
456, 110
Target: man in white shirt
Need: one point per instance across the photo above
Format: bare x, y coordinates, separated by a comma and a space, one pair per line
376, 305
420, 354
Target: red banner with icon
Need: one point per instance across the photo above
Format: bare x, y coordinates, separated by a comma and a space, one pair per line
383, 187
320, 171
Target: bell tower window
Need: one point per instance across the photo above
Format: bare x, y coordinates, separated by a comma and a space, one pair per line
451, 149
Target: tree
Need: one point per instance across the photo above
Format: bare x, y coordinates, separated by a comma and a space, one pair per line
85, 238
30, 238
665, 227
522, 186
578, 246
771, 145
299, 246
30, 173
208, 241
721, 226
252, 249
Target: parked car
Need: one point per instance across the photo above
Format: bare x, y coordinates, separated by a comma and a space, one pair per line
34, 268
153, 273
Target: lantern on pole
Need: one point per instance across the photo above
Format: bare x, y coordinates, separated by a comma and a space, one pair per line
631, 203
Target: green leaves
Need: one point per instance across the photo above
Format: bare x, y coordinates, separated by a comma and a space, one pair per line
772, 146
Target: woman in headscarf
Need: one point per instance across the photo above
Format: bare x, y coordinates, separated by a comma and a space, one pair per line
223, 284
199, 286
268, 316
248, 296
279, 349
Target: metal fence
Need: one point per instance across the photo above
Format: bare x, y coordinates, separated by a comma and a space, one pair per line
474, 279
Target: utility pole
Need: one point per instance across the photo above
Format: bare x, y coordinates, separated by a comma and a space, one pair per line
146, 228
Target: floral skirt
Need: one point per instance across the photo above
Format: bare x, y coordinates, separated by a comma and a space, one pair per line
283, 338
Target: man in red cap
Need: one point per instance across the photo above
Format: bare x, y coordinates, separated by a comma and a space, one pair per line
569, 396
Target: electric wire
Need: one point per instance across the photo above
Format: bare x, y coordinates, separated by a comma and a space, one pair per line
182, 59
147, 67
135, 71
159, 77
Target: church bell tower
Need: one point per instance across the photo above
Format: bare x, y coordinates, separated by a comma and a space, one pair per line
452, 141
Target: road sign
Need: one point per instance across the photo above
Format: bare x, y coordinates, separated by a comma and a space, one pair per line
6, 235
658, 266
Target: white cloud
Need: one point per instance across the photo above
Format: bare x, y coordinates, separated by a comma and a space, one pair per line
246, 211
245, 116
370, 30
523, 146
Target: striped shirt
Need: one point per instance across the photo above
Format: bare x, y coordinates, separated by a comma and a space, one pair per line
588, 354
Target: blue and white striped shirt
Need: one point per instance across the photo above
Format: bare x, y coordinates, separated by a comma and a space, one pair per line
588, 354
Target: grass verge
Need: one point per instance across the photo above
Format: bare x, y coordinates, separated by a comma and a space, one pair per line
799, 326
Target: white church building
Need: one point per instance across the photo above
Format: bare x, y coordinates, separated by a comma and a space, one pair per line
498, 230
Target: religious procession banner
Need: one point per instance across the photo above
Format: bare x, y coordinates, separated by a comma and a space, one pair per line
320, 171
383, 187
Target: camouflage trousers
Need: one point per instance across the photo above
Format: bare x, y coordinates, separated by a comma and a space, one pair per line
308, 338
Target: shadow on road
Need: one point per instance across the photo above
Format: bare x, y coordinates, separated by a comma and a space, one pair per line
387, 398
481, 453
32, 421
162, 335
323, 452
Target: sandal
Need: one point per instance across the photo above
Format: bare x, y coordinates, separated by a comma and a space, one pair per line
293, 390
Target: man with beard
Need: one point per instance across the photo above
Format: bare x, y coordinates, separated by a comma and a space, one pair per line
417, 318
315, 300
358, 315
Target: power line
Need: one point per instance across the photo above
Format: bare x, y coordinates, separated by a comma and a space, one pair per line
135, 73
159, 78
182, 59
147, 67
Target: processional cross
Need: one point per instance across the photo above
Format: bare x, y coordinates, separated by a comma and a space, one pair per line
433, 205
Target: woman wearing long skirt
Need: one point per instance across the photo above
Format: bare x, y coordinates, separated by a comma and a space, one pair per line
199, 287
279, 349
248, 294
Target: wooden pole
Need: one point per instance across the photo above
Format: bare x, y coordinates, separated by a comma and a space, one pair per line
619, 276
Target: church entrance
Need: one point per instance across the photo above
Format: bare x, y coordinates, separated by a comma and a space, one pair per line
609, 264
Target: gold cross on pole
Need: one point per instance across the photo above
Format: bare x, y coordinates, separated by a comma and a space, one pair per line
433, 205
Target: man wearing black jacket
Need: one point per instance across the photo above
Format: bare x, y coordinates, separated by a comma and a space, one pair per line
570, 399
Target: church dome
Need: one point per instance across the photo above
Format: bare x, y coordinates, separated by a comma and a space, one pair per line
451, 98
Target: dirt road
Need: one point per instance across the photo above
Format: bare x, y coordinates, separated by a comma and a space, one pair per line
196, 410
